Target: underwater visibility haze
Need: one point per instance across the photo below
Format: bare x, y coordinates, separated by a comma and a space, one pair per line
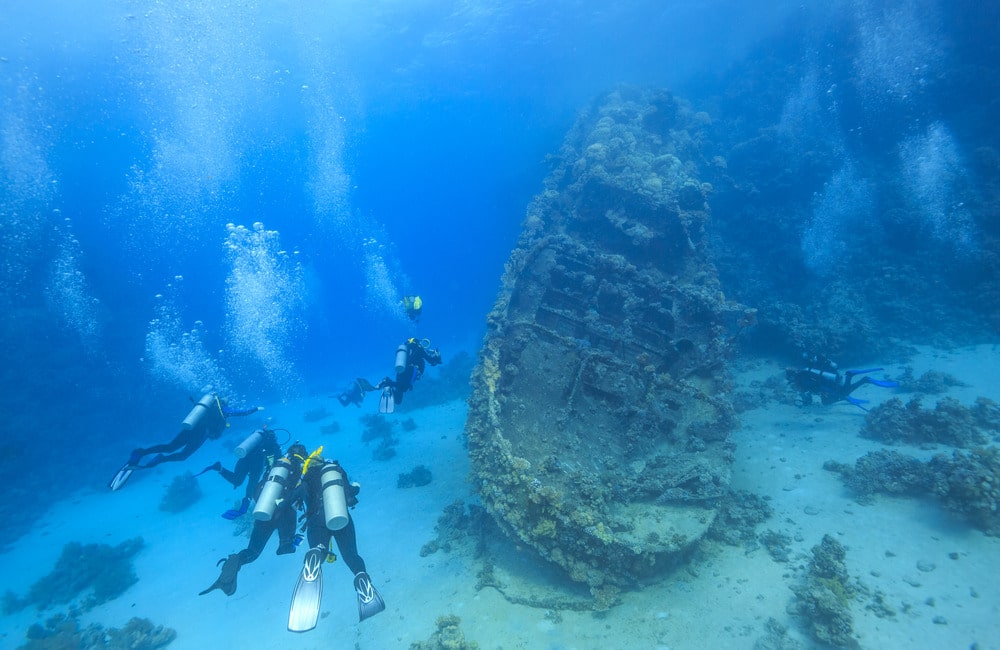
237, 196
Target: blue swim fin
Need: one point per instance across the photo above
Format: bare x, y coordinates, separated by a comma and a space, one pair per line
233, 514
884, 383
857, 402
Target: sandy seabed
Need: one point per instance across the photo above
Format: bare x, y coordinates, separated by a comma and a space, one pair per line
723, 599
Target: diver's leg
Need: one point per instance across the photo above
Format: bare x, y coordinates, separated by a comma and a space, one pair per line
180, 440
286, 530
187, 441
317, 534
347, 543
231, 565
240, 471
262, 531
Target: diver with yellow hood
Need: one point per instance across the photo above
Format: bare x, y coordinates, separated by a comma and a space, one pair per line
413, 305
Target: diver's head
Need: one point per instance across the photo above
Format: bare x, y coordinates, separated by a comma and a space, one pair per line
297, 452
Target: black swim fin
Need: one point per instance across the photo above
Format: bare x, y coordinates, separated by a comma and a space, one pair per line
227, 579
370, 600
214, 467
304, 611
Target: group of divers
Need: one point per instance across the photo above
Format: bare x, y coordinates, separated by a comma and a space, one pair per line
280, 485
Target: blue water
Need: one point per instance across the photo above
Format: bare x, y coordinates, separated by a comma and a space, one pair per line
389, 148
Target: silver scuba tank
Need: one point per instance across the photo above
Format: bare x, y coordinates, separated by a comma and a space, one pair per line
401, 356
199, 410
252, 442
822, 374
334, 496
273, 488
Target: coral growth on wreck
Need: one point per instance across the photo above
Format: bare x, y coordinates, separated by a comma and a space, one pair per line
598, 425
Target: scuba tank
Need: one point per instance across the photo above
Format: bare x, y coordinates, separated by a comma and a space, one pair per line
334, 498
248, 445
401, 357
274, 487
824, 375
206, 402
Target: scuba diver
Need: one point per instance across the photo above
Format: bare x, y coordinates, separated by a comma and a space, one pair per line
355, 393
327, 493
413, 305
275, 511
206, 420
322, 487
411, 359
256, 456
821, 376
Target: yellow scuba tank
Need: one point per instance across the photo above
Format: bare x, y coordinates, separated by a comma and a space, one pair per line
334, 496
273, 488
401, 356
248, 445
207, 401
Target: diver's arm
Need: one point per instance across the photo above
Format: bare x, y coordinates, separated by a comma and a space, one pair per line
230, 413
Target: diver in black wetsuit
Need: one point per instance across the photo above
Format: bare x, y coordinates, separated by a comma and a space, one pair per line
282, 519
355, 393
310, 492
417, 356
820, 376
303, 486
209, 425
319, 476
260, 450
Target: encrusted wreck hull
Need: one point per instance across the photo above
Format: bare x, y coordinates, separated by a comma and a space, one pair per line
598, 426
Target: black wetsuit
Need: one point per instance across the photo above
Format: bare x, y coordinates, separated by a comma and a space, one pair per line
824, 379
417, 358
253, 465
353, 395
283, 520
188, 441
311, 493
